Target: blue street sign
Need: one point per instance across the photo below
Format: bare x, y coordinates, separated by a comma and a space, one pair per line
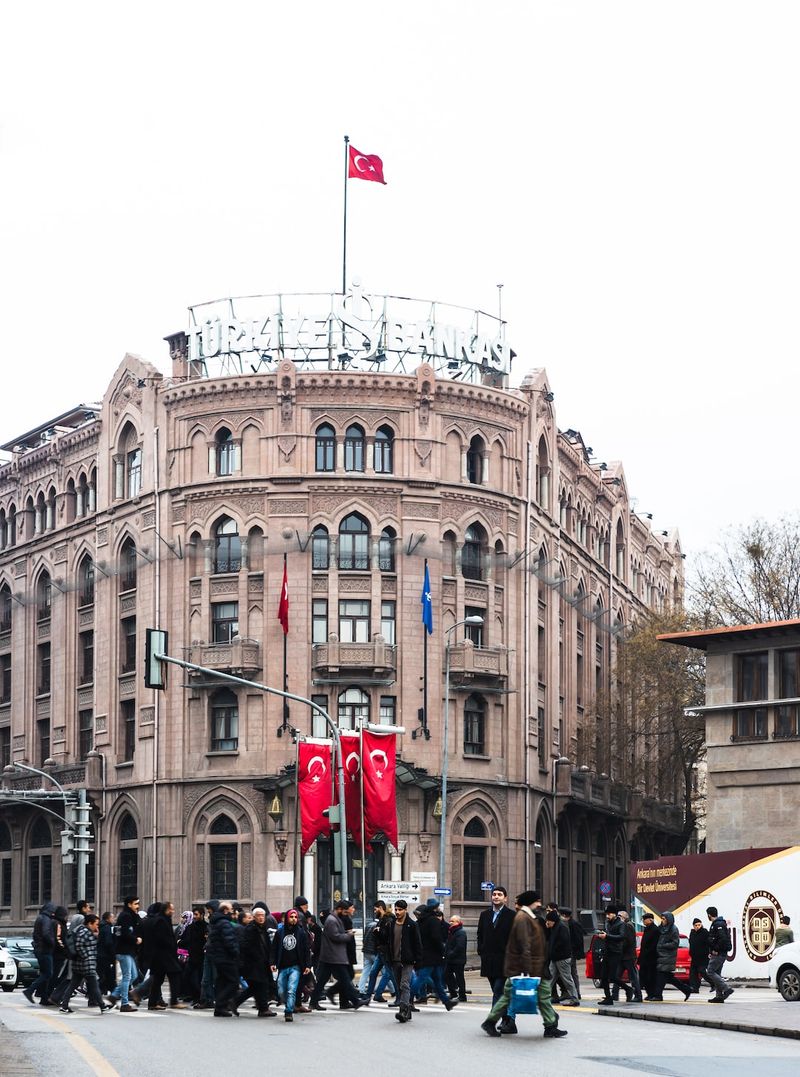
487, 886
443, 891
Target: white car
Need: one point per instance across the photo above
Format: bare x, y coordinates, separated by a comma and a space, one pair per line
784, 971
8, 971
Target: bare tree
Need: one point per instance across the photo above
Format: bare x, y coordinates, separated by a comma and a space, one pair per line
752, 577
659, 745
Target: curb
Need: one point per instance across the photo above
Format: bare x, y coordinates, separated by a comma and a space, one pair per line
699, 1022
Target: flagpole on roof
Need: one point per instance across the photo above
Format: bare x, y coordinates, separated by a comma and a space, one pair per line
344, 234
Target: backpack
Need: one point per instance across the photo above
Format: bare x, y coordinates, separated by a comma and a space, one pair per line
70, 944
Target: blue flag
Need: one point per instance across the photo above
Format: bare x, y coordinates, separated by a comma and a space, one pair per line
427, 604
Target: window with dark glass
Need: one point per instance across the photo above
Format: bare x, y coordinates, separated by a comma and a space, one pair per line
127, 566
5, 866
5, 745
43, 737
449, 554
319, 620
85, 733
752, 672
224, 722
44, 598
354, 543
320, 549
223, 858
474, 632
319, 727
472, 554
86, 657
43, 669
40, 864
127, 645
325, 448
475, 455
353, 708
86, 582
541, 738
225, 452
134, 470
389, 621
388, 710
354, 620
384, 450
5, 678
227, 546
128, 875
474, 726
354, 448
224, 621
786, 715
127, 710
5, 609
475, 838
386, 548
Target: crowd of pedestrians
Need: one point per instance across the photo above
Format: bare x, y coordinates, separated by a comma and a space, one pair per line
219, 955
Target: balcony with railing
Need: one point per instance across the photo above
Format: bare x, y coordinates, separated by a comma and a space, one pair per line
240, 657
334, 659
474, 667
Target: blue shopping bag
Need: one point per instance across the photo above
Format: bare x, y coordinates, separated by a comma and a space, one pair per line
524, 995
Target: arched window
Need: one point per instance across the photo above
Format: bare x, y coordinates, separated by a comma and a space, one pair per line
354, 448
86, 581
3, 529
325, 448
225, 452
223, 858
40, 863
227, 546
384, 450
224, 721
70, 499
448, 554
386, 547
476, 454
39, 524
5, 866
472, 553
128, 464
543, 474
562, 840
44, 597
255, 550
11, 526
354, 543
475, 855
620, 550
353, 708
50, 509
542, 842
82, 496
5, 608
499, 564
127, 566
320, 548
128, 871
475, 726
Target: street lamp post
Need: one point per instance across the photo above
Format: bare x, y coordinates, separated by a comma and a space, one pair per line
475, 619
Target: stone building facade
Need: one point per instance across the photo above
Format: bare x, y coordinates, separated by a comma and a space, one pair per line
173, 502
752, 718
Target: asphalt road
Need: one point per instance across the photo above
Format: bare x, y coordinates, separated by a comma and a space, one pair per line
436, 1044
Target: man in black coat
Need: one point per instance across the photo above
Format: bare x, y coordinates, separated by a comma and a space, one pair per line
223, 949
613, 937
163, 962
455, 959
559, 952
433, 933
403, 952
698, 952
494, 927
628, 963
576, 943
648, 956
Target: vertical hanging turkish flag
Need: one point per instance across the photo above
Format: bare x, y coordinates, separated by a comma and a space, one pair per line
352, 784
283, 605
366, 166
314, 789
378, 764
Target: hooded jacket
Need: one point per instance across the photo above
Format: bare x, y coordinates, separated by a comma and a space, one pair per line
290, 947
126, 931
669, 939
456, 949
86, 947
44, 930
223, 940
719, 941
433, 936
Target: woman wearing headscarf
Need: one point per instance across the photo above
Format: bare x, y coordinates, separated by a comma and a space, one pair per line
193, 941
669, 940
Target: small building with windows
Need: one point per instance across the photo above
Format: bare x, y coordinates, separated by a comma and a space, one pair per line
173, 503
752, 718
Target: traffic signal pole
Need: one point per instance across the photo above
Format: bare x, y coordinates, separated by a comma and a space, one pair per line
152, 666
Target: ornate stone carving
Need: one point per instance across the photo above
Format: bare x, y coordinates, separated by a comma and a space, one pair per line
100, 723
281, 840
389, 585
423, 451
422, 510
127, 686
127, 392
179, 512
20, 568
224, 587
286, 445
60, 554
195, 589
424, 845
102, 536
255, 584
359, 584
127, 603
147, 715
148, 519
287, 507
43, 630
319, 585
85, 697
86, 616
43, 708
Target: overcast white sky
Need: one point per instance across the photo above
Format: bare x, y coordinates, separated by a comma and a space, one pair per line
628, 170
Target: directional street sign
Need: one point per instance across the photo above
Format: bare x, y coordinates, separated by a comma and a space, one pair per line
398, 886
424, 878
442, 891
487, 886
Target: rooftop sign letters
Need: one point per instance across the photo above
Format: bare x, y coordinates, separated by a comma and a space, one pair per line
354, 331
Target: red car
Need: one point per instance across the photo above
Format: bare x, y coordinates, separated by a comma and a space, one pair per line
681, 966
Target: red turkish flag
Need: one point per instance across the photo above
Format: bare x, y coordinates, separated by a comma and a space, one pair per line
366, 166
352, 784
283, 605
378, 764
314, 789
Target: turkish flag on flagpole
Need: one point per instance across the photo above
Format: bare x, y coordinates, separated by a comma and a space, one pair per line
283, 605
313, 789
352, 784
366, 166
378, 768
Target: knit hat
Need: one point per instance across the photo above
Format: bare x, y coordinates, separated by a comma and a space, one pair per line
300, 900
432, 903
527, 897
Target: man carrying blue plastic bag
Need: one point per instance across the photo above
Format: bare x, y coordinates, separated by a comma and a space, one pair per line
526, 955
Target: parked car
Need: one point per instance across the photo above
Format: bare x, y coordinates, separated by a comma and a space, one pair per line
21, 949
8, 970
784, 971
682, 963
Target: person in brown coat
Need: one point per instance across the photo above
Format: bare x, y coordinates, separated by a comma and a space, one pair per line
526, 955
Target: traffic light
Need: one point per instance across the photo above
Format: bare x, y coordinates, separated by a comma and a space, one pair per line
67, 846
155, 671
